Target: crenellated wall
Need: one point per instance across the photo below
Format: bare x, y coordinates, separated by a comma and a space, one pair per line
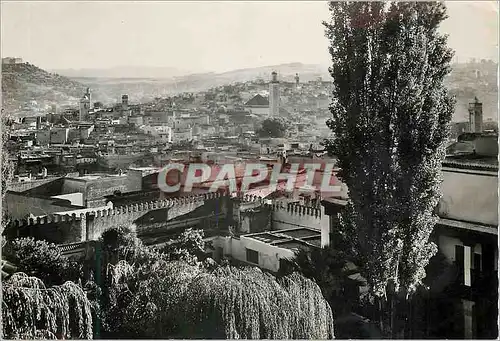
91, 223
286, 216
154, 219
58, 229
165, 210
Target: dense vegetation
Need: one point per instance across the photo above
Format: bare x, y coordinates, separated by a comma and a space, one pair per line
273, 127
22, 83
134, 291
390, 118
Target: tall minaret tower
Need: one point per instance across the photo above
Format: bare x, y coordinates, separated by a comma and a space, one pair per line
84, 106
476, 116
124, 102
274, 95
89, 96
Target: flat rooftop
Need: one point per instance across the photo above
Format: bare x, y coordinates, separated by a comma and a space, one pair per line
292, 239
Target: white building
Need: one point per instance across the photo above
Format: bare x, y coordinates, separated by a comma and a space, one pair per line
180, 135
162, 132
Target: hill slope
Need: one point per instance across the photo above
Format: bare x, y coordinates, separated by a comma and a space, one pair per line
123, 72
24, 83
469, 80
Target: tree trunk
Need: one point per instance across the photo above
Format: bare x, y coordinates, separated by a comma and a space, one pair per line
392, 317
380, 314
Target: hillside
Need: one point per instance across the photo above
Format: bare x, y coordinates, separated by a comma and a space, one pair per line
478, 79
23, 84
143, 89
286, 72
123, 72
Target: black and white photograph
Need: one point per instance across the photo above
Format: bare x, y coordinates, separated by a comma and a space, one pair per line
285, 170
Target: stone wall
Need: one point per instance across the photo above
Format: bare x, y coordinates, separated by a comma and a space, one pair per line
93, 222
155, 219
27, 185
20, 206
53, 228
294, 215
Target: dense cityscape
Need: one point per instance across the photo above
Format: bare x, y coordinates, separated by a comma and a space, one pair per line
94, 247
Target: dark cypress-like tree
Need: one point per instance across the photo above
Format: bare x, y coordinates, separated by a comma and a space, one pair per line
391, 114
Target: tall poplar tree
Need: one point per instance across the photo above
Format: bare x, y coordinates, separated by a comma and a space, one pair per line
391, 114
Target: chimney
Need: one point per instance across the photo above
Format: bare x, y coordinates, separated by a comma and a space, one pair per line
476, 116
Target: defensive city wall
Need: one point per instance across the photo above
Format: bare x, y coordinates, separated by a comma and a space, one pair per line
244, 214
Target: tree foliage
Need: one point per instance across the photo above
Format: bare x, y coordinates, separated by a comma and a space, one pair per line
32, 311
178, 300
172, 294
324, 265
143, 292
273, 127
188, 246
390, 117
42, 259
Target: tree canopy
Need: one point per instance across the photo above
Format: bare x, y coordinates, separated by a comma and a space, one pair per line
175, 299
170, 293
30, 310
42, 259
273, 127
390, 119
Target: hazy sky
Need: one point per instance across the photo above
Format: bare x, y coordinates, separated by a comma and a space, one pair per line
200, 36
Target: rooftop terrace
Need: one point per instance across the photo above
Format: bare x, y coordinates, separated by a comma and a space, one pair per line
292, 239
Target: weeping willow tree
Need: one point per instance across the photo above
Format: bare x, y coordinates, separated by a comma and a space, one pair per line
179, 300
390, 116
32, 311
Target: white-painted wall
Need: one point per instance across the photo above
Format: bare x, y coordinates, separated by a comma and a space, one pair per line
470, 196
74, 198
269, 255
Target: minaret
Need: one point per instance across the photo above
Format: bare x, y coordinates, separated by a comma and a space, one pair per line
89, 96
84, 108
274, 95
124, 102
476, 116
297, 80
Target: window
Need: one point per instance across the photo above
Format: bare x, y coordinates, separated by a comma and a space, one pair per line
252, 256
219, 252
459, 261
476, 272
463, 260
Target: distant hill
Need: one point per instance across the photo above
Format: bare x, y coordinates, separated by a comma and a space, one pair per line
475, 79
286, 72
24, 83
123, 72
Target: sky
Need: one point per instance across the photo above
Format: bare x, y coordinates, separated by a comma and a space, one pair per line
201, 36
